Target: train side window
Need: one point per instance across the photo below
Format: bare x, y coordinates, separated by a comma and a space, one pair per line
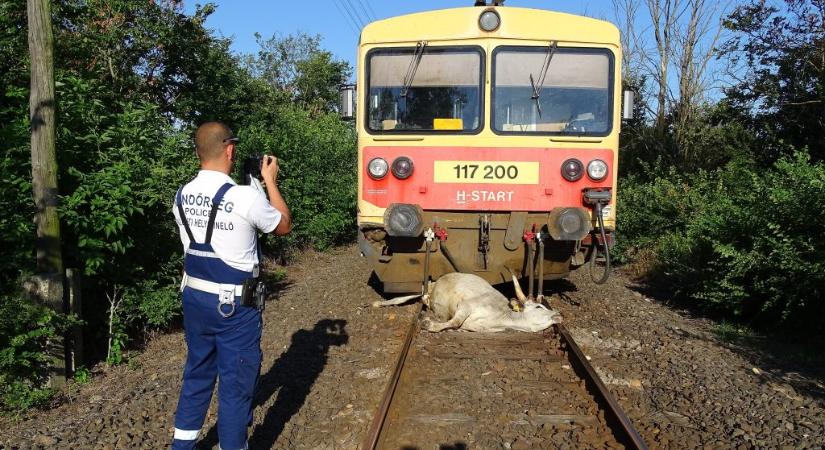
440, 92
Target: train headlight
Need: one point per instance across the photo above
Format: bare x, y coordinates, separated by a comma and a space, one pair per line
378, 168
572, 169
489, 20
404, 220
402, 167
597, 170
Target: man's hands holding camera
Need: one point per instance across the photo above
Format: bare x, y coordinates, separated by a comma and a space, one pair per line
266, 166
269, 169
269, 172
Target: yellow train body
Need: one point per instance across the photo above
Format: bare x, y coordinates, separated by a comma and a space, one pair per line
460, 28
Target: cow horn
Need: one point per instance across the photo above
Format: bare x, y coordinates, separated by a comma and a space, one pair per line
519, 293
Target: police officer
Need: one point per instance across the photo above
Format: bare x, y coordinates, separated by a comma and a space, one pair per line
218, 223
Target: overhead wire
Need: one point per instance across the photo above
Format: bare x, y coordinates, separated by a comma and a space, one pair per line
350, 21
357, 14
369, 5
366, 10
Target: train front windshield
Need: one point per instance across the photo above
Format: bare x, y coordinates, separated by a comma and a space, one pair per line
437, 89
547, 90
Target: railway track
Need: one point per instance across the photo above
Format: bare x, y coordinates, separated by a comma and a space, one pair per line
456, 390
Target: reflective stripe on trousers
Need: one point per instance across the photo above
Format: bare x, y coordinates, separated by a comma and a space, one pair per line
227, 348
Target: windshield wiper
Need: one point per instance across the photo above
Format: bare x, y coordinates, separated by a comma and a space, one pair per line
551, 50
413, 67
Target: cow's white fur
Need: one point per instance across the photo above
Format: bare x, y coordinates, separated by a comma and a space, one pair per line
467, 302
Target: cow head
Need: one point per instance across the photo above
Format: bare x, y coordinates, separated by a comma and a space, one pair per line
538, 317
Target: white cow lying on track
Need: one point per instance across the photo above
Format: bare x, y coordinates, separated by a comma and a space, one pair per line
467, 302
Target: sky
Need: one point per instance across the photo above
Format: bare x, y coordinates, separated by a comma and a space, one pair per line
338, 22
335, 20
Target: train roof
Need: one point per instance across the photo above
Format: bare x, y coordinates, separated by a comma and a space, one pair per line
516, 23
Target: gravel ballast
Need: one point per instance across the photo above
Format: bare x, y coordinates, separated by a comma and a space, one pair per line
328, 355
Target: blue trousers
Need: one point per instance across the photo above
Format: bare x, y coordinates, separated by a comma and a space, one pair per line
218, 347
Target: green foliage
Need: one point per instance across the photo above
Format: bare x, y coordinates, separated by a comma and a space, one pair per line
25, 331
716, 136
82, 375
133, 80
117, 346
737, 240
782, 87
731, 332
158, 305
297, 66
120, 174
317, 176
725, 210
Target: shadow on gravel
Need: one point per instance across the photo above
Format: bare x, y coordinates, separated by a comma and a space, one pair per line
793, 360
291, 376
560, 288
550, 288
375, 283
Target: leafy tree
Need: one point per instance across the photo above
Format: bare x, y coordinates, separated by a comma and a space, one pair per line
318, 173
133, 80
15, 162
780, 50
297, 66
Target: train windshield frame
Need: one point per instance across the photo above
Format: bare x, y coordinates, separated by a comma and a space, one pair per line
444, 95
575, 96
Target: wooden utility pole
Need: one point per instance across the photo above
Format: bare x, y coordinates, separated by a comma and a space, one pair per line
48, 284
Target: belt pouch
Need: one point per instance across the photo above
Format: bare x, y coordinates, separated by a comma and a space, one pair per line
248, 292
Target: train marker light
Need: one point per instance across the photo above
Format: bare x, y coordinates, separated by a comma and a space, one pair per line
402, 167
378, 168
489, 20
572, 169
597, 170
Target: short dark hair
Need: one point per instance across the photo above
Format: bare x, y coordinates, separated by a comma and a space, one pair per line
211, 138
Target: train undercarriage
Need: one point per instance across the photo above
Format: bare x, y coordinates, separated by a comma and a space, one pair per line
488, 244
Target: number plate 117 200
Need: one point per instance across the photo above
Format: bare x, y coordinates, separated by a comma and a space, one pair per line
489, 172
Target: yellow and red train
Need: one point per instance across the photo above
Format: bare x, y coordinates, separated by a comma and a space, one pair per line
487, 142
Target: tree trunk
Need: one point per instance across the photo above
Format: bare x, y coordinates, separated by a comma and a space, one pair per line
49, 281
663, 18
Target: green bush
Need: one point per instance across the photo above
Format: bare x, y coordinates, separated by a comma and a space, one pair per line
133, 80
25, 331
736, 240
317, 174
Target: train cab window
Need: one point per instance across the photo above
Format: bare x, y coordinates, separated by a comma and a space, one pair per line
425, 89
552, 90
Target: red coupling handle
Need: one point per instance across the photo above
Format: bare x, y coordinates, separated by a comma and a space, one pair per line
530, 235
440, 233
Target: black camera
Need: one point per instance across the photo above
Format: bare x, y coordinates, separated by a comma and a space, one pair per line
252, 166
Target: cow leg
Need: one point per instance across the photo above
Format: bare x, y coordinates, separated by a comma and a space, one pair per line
461, 314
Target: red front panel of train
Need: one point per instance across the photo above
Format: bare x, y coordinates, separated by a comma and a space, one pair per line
482, 178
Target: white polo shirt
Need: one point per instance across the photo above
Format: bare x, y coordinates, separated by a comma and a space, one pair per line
243, 211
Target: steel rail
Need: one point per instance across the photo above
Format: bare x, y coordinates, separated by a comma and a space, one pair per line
630, 436
627, 433
374, 432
